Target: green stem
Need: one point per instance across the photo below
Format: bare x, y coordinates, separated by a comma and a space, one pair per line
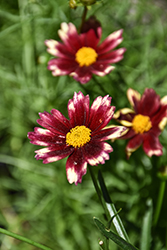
19, 237
98, 191
83, 17
166, 238
159, 202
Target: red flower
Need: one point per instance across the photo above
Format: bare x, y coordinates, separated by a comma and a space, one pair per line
81, 137
81, 55
145, 122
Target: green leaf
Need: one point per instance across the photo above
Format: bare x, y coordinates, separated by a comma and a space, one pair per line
24, 239
146, 228
112, 210
112, 236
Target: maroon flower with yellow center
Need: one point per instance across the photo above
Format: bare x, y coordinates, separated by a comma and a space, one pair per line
81, 137
144, 122
81, 55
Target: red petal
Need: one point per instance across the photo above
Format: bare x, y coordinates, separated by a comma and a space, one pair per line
134, 144
96, 152
51, 123
110, 42
89, 39
76, 166
45, 137
100, 113
149, 103
61, 66
134, 98
108, 133
82, 74
151, 145
78, 109
54, 153
112, 57
101, 69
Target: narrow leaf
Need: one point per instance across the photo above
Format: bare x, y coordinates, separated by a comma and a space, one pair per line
112, 236
112, 210
24, 239
146, 228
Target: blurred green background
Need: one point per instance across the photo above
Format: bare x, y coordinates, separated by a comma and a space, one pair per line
36, 200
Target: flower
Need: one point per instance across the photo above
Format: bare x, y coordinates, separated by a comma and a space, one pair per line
144, 122
81, 137
81, 55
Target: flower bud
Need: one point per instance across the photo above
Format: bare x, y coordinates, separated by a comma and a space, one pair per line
72, 4
91, 23
162, 173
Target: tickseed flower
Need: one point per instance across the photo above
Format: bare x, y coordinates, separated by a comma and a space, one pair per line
144, 122
81, 137
81, 55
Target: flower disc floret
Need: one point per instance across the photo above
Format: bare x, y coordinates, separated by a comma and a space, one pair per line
141, 124
86, 56
78, 136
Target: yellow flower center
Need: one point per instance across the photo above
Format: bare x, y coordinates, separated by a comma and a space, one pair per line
141, 124
85, 56
78, 136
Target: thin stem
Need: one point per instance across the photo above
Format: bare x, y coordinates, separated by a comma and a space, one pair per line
24, 239
159, 202
166, 238
83, 17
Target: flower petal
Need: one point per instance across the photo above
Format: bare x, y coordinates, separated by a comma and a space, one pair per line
101, 69
82, 74
50, 122
78, 109
61, 66
69, 35
51, 44
128, 134
113, 40
133, 144
96, 152
54, 153
112, 57
109, 132
45, 137
76, 166
149, 103
89, 39
134, 98
151, 145
160, 118
100, 113
124, 116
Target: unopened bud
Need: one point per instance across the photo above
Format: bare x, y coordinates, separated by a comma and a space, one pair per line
162, 173
72, 4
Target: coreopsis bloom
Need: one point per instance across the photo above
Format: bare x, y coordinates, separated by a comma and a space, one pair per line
144, 122
81, 55
81, 137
